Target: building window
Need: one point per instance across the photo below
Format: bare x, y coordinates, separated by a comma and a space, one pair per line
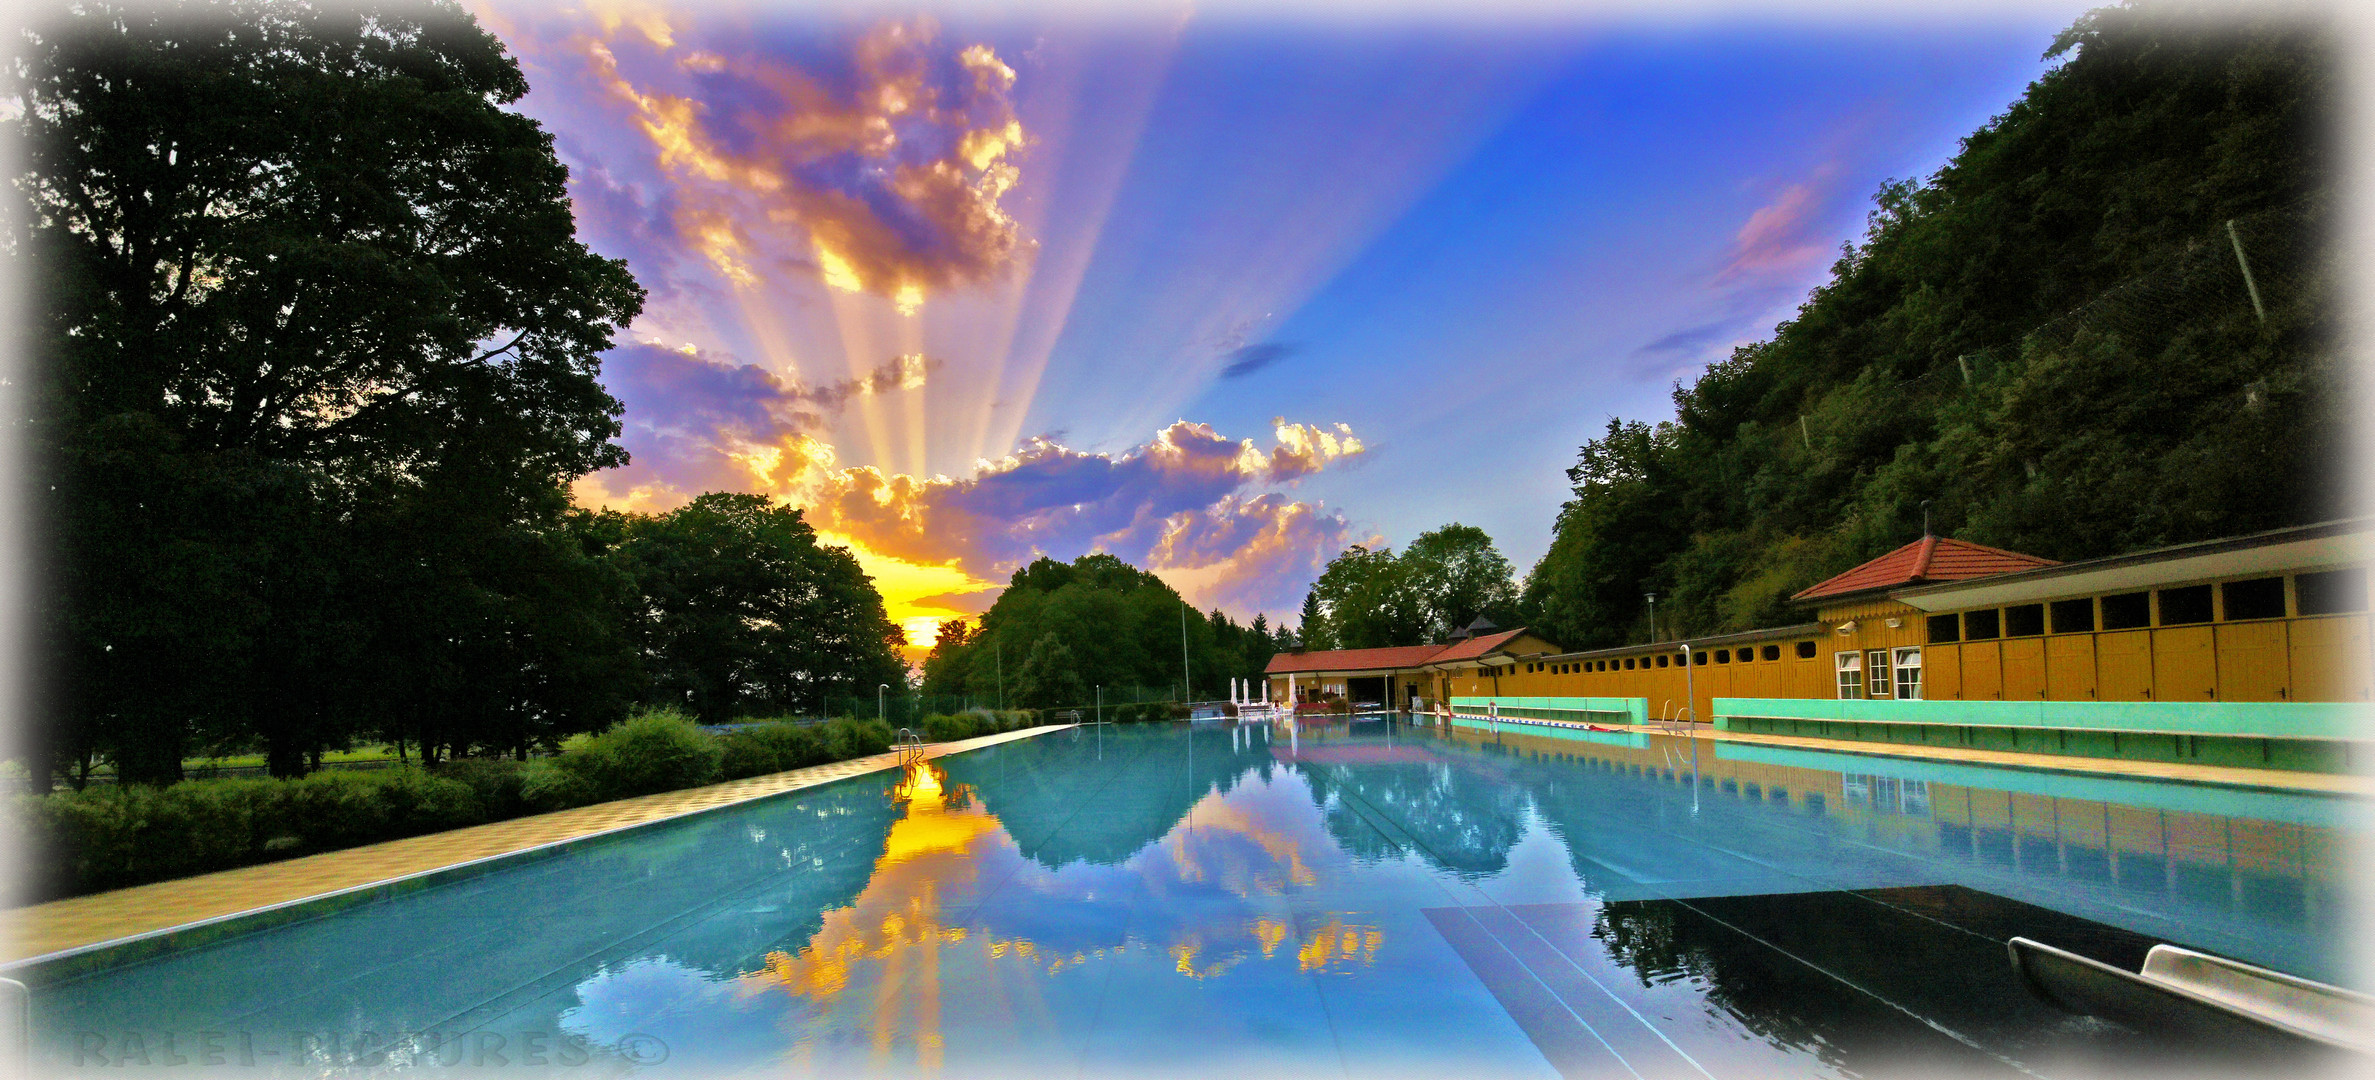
1723, 656
1851, 675
1662, 660
1770, 652
1980, 625
1876, 668
2260, 598
2331, 592
1699, 659
2186, 606
2127, 611
1628, 663
1805, 650
1945, 628
1909, 674
2073, 616
2024, 620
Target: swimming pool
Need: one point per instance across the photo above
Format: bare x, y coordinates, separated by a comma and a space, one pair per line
1372, 898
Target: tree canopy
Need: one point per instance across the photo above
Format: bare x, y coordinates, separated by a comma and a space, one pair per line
1437, 586
2049, 345
320, 355
1062, 629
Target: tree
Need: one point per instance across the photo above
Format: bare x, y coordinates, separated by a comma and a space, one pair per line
1368, 600
301, 271
943, 667
750, 615
1459, 576
2049, 343
1312, 631
1049, 677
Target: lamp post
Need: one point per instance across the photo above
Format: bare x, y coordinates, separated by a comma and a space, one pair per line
1653, 618
880, 689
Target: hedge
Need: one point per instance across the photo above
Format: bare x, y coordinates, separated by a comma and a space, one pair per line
113, 836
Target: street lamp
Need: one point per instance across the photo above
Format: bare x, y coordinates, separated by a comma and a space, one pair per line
879, 690
1653, 618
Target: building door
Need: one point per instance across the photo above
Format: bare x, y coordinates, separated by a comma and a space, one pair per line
2252, 662
2070, 667
2329, 659
2123, 665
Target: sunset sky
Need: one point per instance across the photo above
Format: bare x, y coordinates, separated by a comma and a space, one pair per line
1216, 295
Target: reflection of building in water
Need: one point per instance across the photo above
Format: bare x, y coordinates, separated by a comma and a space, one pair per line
2284, 865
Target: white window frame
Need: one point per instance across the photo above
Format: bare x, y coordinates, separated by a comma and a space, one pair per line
1908, 670
1876, 675
1850, 662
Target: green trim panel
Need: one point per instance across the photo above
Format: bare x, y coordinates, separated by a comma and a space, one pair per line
2317, 720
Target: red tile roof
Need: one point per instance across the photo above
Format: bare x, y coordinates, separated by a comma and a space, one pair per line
1928, 560
1405, 656
1475, 646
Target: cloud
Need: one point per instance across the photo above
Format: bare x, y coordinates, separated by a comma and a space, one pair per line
886, 160
1253, 358
1249, 554
1047, 498
1189, 502
1783, 235
1693, 340
697, 422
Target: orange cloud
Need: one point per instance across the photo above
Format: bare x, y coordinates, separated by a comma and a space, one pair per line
889, 170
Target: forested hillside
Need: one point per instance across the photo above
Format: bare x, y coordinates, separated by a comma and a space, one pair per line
2052, 342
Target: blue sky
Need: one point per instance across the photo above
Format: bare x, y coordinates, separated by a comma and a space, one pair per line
1216, 296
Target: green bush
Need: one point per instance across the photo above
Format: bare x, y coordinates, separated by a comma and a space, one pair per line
546, 786
109, 837
652, 751
496, 782
330, 810
847, 737
761, 749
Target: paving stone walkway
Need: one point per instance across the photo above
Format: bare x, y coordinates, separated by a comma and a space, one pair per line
59, 925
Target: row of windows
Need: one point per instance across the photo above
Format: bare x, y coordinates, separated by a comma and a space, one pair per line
1880, 673
2331, 592
1749, 654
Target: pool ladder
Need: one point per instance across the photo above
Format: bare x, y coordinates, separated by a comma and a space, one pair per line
910, 747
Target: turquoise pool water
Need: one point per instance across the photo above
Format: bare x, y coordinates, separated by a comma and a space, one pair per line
1379, 898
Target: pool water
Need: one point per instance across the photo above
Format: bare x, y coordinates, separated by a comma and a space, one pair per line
1373, 898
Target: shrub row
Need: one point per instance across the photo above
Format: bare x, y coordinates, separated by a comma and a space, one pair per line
109, 837
975, 723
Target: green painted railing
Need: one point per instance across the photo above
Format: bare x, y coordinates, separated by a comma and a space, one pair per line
2323, 721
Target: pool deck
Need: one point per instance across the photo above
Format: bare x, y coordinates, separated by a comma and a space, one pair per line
73, 923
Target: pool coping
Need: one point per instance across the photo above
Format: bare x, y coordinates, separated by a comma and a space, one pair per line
89, 958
